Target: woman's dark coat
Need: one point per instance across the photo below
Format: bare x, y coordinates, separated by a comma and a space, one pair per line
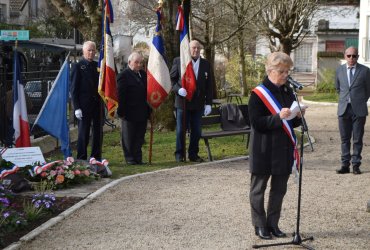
270, 148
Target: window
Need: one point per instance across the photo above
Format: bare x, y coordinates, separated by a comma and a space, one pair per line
33, 8
335, 46
2, 13
367, 43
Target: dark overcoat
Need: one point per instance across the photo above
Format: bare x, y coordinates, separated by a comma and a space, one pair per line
203, 94
270, 148
132, 91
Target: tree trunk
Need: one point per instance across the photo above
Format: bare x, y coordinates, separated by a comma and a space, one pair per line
242, 66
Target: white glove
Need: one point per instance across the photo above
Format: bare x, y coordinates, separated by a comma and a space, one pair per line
78, 114
207, 110
182, 92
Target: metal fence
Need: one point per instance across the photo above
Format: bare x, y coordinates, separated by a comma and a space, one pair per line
37, 85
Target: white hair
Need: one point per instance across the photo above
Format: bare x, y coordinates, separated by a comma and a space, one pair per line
87, 44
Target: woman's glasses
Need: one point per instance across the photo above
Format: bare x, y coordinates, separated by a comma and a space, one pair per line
353, 56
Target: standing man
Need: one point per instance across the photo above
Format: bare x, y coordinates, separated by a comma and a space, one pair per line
133, 108
87, 103
352, 81
200, 103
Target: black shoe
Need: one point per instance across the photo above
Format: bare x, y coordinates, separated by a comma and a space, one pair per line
356, 170
196, 159
343, 170
140, 163
277, 232
131, 163
263, 233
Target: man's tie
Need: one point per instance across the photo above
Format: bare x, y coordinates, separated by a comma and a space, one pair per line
350, 75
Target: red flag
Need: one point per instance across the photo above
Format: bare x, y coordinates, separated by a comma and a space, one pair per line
20, 118
107, 79
187, 73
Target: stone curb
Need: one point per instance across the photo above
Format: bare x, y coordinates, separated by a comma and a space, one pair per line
37, 231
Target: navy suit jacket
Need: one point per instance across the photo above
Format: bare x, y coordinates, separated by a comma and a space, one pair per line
84, 86
204, 85
358, 92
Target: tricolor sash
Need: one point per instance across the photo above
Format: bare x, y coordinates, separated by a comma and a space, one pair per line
274, 107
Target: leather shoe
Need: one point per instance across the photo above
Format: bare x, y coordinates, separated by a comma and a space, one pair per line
196, 159
277, 232
263, 233
140, 163
356, 170
131, 163
343, 170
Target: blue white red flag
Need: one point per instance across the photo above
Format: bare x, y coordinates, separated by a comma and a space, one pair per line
107, 78
158, 75
53, 116
20, 118
188, 80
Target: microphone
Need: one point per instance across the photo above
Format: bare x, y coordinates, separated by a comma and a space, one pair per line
294, 83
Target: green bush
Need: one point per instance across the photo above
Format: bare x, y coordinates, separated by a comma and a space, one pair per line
327, 83
255, 71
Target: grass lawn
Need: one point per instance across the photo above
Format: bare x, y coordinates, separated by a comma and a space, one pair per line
322, 97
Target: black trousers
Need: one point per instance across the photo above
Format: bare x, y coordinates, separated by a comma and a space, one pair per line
257, 195
351, 127
84, 125
132, 139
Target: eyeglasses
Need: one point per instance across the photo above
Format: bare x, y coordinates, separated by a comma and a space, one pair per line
282, 71
353, 56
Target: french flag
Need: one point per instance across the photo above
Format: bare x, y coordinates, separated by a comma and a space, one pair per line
107, 78
20, 118
187, 72
158, 75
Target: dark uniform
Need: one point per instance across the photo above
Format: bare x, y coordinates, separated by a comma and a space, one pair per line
85, 96
134, 112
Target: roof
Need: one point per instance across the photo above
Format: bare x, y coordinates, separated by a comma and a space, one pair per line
17, 5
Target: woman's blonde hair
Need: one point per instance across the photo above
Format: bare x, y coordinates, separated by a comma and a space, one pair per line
277, 60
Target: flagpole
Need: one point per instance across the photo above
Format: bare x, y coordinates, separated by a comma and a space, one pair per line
151, 138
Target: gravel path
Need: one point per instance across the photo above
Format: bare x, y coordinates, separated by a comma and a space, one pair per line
206, 206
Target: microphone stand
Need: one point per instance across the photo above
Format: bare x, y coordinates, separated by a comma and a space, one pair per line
297, 239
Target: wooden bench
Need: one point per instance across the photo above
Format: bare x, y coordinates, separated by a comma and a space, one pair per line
215, 118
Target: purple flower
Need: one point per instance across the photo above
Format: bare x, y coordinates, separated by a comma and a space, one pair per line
6, 214
5, 202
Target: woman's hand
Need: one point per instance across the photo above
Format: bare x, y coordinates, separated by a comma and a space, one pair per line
284, 113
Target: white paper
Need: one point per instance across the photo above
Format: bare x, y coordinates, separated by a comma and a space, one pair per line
294, 109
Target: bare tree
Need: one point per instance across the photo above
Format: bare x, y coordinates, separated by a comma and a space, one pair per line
83, 15
285, 23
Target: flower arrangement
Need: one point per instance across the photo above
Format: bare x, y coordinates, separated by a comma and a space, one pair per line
63, 173
60, 173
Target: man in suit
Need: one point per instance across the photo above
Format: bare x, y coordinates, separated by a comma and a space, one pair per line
352, 81
87, 102
200, 103
133, 108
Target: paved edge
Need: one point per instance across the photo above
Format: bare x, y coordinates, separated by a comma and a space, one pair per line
37, 231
